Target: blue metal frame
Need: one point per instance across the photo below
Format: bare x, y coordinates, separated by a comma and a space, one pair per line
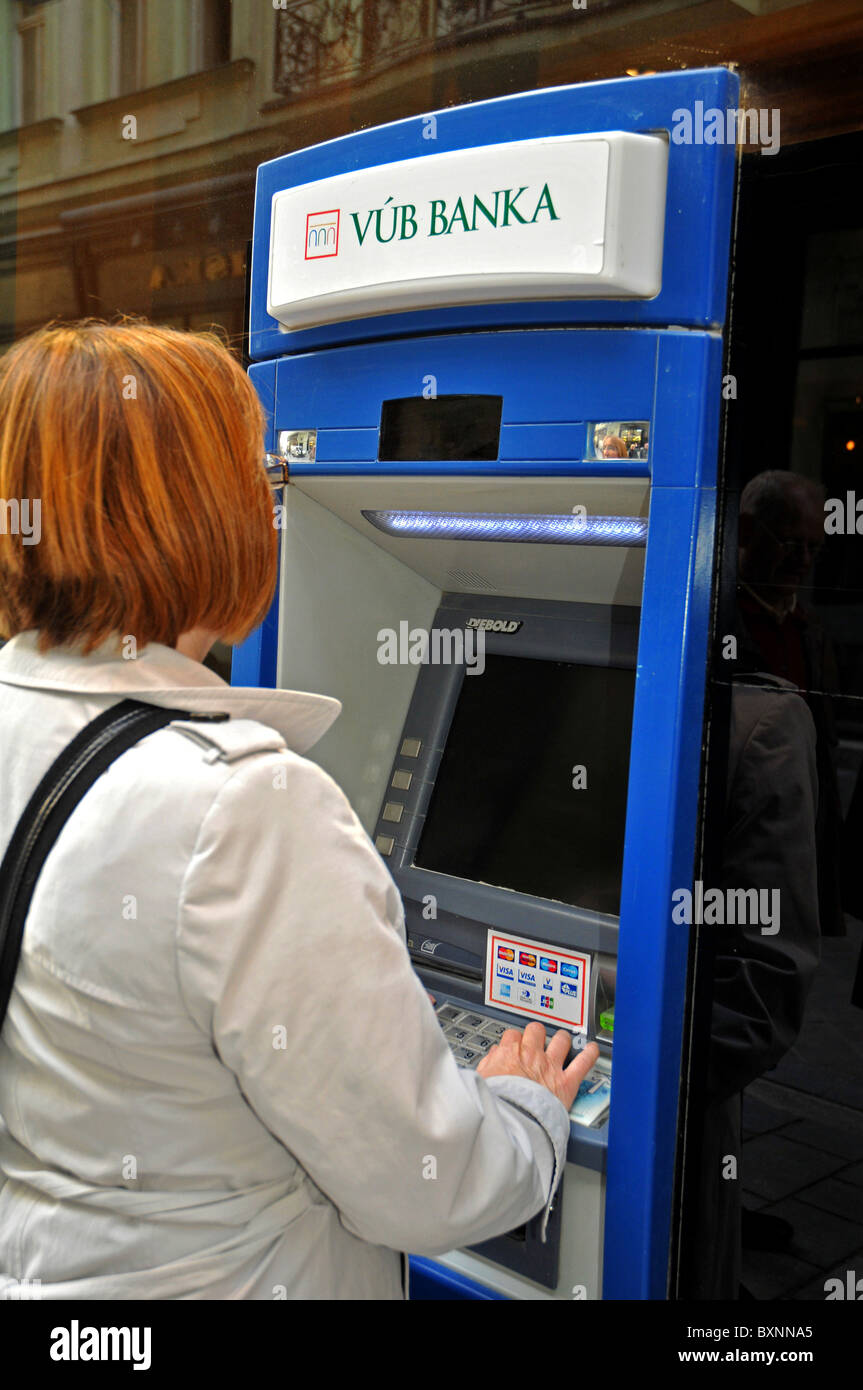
662, 813
432, 1281
695, 260
684, 413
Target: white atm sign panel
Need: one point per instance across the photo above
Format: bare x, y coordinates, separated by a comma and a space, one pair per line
537, 981
555, 218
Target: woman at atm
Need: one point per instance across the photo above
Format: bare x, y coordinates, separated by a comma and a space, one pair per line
219, 1075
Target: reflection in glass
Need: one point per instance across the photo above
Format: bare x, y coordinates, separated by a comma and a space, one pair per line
619, 439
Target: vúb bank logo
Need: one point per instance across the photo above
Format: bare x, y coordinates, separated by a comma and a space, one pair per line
322, 234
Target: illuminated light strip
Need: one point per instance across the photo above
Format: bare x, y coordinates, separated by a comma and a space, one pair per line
551, 529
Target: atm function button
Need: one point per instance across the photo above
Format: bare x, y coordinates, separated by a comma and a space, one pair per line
402, 780
411, 747
393, 811
384, 844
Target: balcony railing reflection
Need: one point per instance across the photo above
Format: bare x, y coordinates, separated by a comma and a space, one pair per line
322, 42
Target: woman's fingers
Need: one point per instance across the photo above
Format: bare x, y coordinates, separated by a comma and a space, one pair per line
525, 1054
574, 1074
532, 1043
558, 1048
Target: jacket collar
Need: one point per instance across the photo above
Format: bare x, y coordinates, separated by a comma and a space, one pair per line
160, 675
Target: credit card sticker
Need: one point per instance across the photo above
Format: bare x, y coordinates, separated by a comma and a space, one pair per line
544, 982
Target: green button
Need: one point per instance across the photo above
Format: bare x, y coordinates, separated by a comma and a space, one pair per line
606, 1021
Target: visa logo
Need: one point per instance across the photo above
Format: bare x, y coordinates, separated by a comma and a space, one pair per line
546, 963
548, 984
505, 953
527, 977
506, 972
570, 970
525, 958
572, 990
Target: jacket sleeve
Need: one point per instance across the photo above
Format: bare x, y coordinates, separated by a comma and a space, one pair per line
762, 978
292, 960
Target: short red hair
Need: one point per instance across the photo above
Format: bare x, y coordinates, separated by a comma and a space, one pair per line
144, 446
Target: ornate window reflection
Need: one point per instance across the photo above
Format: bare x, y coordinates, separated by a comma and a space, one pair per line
324, 41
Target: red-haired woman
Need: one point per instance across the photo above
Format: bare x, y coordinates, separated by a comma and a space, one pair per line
219, 1075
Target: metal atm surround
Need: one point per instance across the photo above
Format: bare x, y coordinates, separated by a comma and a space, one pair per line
390, 580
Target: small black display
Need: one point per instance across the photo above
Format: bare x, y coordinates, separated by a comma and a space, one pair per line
531, 789
442, 429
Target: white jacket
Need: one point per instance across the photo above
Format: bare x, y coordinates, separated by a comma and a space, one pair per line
219, 1075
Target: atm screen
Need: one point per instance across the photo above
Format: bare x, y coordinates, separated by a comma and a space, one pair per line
531, 790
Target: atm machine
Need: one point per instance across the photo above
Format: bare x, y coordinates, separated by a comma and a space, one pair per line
489, 342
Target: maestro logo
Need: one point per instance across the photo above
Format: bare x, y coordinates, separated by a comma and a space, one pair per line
322, 234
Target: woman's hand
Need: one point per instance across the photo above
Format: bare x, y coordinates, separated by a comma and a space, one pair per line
525, 1054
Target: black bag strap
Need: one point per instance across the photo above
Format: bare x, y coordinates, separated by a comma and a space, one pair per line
66, 782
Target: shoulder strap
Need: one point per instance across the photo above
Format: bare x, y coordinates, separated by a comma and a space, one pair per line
65, 783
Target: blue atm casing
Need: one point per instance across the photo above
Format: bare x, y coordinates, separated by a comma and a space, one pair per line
558, 367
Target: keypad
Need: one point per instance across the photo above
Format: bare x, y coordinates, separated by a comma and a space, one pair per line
470, 1035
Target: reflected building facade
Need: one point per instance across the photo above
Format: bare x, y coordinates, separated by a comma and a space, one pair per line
130, 130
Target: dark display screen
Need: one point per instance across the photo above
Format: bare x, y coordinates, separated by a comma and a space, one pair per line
442, 429
504, 809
